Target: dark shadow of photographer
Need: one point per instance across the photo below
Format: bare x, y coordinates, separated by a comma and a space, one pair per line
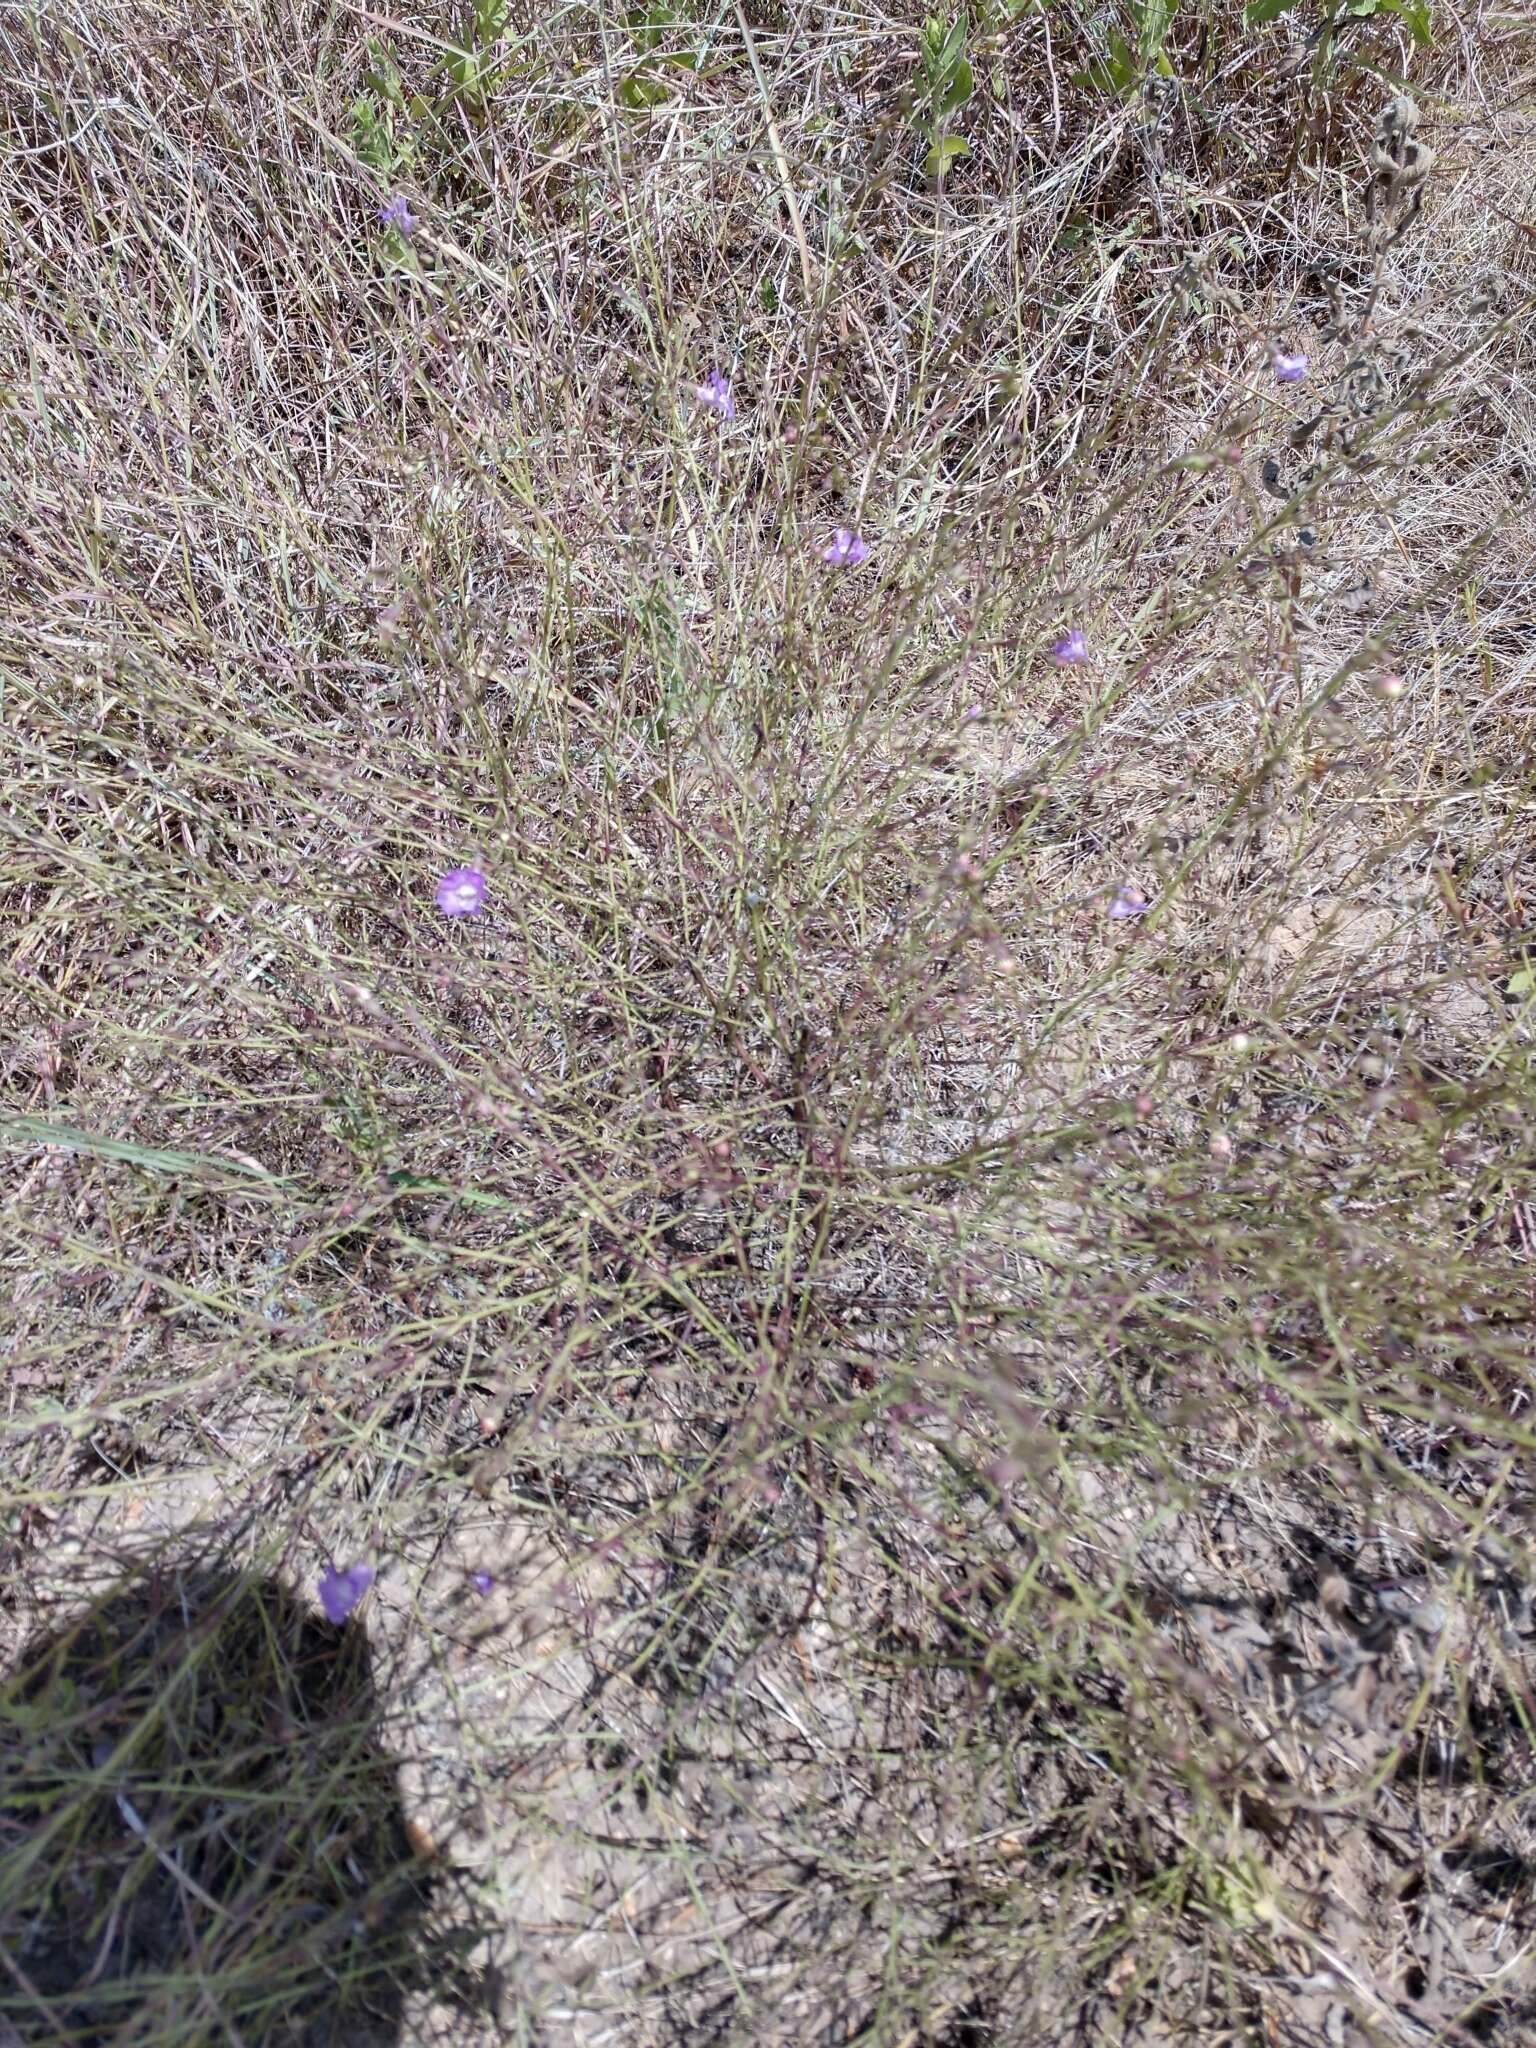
201, 1840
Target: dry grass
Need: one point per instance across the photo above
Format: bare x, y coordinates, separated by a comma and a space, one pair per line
1000, 1436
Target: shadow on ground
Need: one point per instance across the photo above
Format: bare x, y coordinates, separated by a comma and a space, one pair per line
201, 1839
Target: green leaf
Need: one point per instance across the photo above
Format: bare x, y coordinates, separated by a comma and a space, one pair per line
1523, 982
649, 24
949, 149
1154, 18
418, 1184
640, 92
1258, 11
464, 67
384, 73
1415, 14
1122, 61
1115, 73
37, 1130
943, 54
491, 20
370, 134
962, 83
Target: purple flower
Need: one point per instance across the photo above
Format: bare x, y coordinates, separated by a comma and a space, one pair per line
396, 213
715, 393
846, 549
1070, 649
1127, 901
483, 1582
461, 892
341, 1591
1290, 369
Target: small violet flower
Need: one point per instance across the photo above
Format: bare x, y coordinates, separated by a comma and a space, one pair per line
1127, 901
396, 213
1070, 649
847, 549
715, 395
483, 1582
1290, 369
341, 1591
461, 892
